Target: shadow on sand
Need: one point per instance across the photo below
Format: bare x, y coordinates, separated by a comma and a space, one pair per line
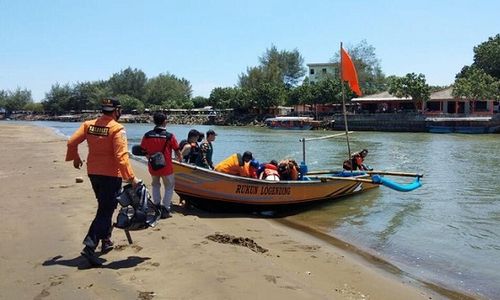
82, 264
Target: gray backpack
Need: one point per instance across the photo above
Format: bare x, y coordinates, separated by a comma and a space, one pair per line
138, 211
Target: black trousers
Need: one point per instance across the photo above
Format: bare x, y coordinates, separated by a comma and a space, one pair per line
106, 189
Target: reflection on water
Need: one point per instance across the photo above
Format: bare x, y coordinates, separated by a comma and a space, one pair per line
446, 232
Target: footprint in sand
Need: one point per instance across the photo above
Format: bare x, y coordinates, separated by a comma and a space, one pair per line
136, 248
271, 278
44, 293
308, 248
145, 295
120, 247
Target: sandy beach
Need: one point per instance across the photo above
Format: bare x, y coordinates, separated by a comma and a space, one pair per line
45, 215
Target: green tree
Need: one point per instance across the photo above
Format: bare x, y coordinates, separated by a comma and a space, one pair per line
199, 101
411, 85
327, 91
257, 76
3, 98
130, 104
89, 95
289, 64
487, 56
302, 94
58, 100
268, 95
371, 78
130, 82
277, 68
169, 91
34, 107
222, 97
475, 84
17, 100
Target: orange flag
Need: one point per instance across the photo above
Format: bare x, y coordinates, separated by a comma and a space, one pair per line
349, 73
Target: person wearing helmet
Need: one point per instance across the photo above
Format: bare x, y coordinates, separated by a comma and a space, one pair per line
107, 166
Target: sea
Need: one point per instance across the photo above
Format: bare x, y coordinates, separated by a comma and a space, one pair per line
446, 233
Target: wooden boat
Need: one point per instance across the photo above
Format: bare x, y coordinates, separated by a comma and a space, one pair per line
211, 190
292, 123
206, 188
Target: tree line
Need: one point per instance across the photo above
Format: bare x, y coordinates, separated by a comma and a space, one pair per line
279, 79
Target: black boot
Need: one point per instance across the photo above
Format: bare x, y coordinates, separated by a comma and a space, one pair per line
165, 213
89, 254
106, 246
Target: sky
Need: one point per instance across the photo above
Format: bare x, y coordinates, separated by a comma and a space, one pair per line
210, 43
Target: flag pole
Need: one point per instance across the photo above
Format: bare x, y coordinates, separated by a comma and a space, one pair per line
343, 106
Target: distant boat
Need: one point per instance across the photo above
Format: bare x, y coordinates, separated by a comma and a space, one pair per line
292, 123
471, 125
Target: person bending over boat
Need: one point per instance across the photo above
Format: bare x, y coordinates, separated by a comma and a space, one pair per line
288, 169
236, 164
357, 161
190, 148
269, 171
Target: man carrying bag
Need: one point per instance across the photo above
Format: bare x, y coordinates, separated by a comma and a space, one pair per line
158, 145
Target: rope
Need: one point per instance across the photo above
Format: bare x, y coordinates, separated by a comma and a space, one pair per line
326, 137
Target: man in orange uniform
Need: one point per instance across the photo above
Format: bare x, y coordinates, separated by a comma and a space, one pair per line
236, 164
107, 165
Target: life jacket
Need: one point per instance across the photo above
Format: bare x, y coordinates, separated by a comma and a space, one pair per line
288, 170
270, 170
138, 211
194, 151
234, 165
204, 158
347, 165
182, 144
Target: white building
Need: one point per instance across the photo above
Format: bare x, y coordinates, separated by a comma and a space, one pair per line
321, 71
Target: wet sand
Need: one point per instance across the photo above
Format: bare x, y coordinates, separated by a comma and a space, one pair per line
193, 255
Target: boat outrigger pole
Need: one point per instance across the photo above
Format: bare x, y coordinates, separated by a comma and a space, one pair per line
303, 166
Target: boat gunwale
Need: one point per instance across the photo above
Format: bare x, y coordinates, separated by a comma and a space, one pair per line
262, 181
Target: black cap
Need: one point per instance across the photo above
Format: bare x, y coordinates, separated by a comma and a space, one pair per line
110, 104
211, 132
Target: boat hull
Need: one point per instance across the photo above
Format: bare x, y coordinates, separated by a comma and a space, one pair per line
292, 123
203, 186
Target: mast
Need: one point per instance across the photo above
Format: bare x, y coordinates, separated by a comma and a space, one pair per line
343, 105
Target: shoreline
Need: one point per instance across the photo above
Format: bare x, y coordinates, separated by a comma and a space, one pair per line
297, 265
383, 122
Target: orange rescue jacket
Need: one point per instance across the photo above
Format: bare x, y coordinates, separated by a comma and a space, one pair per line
234, 165
108, 150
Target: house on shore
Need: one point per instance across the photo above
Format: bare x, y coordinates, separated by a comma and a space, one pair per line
441, 103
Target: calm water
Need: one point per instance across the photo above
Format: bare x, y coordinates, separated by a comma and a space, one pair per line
447, 232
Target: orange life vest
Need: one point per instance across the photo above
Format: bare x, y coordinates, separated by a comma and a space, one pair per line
269, 170
234, 165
